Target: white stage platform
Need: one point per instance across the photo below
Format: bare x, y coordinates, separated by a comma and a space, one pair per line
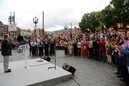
37, 74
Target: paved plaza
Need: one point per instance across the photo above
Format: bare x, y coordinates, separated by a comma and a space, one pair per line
88, 72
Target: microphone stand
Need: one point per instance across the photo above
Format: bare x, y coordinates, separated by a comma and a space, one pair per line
26, 62
55, 63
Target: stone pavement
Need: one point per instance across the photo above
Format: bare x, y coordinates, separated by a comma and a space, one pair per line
88, 72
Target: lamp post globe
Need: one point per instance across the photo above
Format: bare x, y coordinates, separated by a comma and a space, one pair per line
35, 21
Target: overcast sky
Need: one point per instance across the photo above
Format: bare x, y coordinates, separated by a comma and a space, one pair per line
57, 13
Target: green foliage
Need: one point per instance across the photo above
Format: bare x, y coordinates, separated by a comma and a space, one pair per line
116, 12
107, 17
121, 12
90, 21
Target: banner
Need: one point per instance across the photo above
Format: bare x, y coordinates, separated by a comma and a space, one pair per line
12, 27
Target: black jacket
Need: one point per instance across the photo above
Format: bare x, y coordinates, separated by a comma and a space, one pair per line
6, 48
20, 38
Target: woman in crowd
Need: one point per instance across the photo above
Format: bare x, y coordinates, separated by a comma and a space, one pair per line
85, 48
114, 51
70, 47
90, 48
102, 53
66, 47
79, 44
108, 51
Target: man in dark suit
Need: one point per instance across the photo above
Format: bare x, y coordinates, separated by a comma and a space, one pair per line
46, 47
52, 47
6, 52
20, 38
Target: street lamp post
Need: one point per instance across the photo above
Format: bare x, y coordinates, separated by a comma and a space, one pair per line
35, 21
65, 27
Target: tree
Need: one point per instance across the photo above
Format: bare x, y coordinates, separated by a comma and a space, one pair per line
1, 28
116, 12
90, 21
107, 16
121, 11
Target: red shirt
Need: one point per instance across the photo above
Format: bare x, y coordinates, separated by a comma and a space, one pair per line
102, 45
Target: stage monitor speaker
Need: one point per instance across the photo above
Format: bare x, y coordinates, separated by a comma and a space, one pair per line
47, 58
69, 68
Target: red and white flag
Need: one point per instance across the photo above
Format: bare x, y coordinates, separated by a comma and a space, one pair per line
127, 26
119, 25
75, 28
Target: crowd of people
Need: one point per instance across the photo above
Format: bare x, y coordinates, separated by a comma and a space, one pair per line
109, 47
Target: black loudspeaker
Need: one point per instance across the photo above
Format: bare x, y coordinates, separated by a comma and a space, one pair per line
47, 58
69, 68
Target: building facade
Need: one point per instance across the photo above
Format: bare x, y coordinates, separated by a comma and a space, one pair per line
37, 31
4, 29
1, 29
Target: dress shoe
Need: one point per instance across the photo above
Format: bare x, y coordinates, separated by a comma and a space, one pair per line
116, 73
9, 70
119, 76
122, 79
114, 65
